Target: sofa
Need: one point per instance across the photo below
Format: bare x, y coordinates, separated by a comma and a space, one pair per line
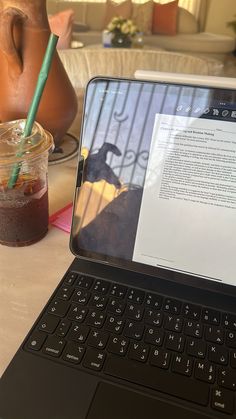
90, 21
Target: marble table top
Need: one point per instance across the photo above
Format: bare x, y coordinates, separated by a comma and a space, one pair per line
28, 275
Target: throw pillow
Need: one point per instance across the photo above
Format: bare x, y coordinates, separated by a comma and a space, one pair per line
186, 22
142, 16
165, 18
61, 24
113, 9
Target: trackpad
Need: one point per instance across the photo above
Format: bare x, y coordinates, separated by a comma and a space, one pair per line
113, 402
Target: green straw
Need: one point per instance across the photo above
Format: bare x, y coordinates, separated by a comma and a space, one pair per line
42, 78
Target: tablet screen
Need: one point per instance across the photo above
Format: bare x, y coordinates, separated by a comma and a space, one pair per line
159, 185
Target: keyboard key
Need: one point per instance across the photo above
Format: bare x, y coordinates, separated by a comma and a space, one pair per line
98, 301
79, 333
205, 371
73, 352
95, 319
194, 329
133, 330
138, 351
154, 336
229, 321
218, 354
153, 317
172, 306
116, 306
118, 291
160, 358
54, 346
196, 347
134, 312
59, 308
175, 342
182, 365
64, 293
101, 287
118, 345
48, 323
97, 339
173, 384
222, 400
84, 282
233, 359
114, 324
153, 301
81, 296
210, 316
227, 378
136, 296
173, 323
77, 313
191, 311
94, 359
63, 327
214, 334
36, 340
70, 278
231, 339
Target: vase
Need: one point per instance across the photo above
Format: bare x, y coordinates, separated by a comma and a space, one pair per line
121, 40
24, 34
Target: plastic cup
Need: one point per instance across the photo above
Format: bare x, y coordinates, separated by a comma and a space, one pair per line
23, 207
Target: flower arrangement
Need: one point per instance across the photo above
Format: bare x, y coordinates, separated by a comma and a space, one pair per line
123, 29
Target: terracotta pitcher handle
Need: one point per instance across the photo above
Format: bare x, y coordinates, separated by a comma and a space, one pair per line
8, 18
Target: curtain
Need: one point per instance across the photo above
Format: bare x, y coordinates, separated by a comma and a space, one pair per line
193, 6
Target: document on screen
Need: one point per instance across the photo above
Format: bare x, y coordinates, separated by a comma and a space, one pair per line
187, 218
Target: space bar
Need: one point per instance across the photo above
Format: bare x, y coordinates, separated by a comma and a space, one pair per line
157, 379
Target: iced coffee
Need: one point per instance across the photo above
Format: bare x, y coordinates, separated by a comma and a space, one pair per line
24, 201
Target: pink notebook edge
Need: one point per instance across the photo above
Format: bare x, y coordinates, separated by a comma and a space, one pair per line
56, 214
59, 221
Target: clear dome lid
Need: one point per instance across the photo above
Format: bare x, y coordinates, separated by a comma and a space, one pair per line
15, 148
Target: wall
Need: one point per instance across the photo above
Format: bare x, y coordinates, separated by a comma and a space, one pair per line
219, 13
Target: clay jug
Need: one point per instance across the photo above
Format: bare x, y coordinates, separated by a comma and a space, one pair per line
24, 34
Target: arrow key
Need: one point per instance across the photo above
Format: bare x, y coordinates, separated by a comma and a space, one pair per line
227, 378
